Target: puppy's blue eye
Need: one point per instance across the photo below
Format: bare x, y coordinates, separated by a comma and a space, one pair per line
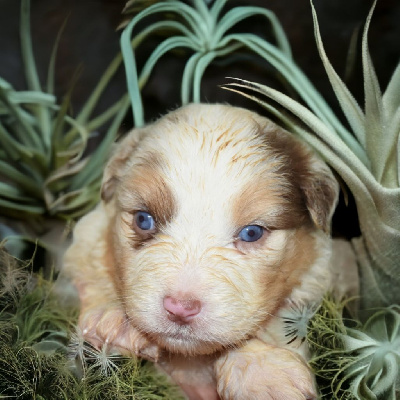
144, 221
251, 233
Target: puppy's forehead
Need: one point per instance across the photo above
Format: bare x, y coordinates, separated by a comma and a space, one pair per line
210, 161
205, 145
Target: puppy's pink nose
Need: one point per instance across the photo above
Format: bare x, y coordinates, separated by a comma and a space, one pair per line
181, 310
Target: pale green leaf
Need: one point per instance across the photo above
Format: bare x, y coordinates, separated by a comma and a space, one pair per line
296, 78
27, 97
94, 168
9, 207
31, 74
128, 54
346, 100
237, 14
13, 149
206, 17
132, 76
203, 62
92, 101
12, 174
24, 131
165, 46
391, 132
79, 134
201, 66
13, 193
398, 159
165, 27
217, 7
52, 62
174, 26
358, 340
391, 97
323, 131
59, 121
83, 198
187, 77
360, 390
386, 370
135, 6
375, 136
107, 115
65, 171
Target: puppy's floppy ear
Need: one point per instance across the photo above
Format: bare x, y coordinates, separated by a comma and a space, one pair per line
115, 167
321, 191
319, 188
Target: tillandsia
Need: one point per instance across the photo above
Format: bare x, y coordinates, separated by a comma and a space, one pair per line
366, 158
360, 362
204, 31
45, 172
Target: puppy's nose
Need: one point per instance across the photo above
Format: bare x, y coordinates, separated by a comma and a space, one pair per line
181, 310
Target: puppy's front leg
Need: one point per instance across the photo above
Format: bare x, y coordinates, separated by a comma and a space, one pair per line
108, 326
259, 371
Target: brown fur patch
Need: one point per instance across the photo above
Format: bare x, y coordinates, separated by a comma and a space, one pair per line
300, 254
143, 188
280, 278
313, 185
261, 203
115, 167
275, 198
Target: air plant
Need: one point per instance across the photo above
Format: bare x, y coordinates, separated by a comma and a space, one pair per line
366, 158
360, 362
204, 32
296, 318
45, 171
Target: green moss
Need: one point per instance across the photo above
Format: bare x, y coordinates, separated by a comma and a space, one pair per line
327, 347
35, 354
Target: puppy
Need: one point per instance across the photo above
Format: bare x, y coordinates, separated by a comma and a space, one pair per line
214, 222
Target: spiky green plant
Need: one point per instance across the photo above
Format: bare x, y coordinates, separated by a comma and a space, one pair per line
204, 32
367, 159
43, 169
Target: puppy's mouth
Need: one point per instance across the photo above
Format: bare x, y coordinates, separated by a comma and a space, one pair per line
188, 338
187, 344
188, 327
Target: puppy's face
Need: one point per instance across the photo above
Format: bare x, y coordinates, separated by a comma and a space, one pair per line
216, 211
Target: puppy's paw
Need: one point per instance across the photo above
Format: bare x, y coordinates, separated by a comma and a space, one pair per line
261, 372
111, 328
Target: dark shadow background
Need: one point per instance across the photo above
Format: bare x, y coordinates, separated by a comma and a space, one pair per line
91, 40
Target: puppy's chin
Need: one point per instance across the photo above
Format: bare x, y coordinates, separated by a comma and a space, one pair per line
192, 339
187, 344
